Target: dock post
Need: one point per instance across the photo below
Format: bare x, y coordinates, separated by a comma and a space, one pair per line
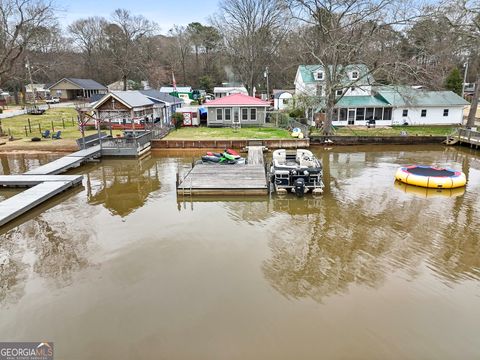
53, 129
39, 128
26, 133
29, 125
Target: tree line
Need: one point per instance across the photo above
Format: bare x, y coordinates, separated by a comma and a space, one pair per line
400, 41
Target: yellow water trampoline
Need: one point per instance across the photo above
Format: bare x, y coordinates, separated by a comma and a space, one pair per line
431, 177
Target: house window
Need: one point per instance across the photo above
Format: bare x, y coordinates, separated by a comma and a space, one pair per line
424, 113
285, 101
319, 75
354, 75
387, 114
335, 115
253, 114
369, 114
445, 112
245, 114
319, 90
360, 114
343, 114
352, 88
339, 92
405, 113
219, 114
378, 114
228, 114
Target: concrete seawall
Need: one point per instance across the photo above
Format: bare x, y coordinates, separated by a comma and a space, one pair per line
380, 140
234, 144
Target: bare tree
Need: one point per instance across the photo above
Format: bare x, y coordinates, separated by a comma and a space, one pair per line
252, 31
342, 32
89, 36
20, 21
124, 35
464, 18
180, 48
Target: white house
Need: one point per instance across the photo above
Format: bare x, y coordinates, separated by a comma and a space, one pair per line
397, 105
355, 80
361, 103
222, 91
282, 99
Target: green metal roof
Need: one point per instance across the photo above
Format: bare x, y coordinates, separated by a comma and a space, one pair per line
361, 101
306, 71
406, 96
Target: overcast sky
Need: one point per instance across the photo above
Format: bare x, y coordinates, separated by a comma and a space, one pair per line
165, 12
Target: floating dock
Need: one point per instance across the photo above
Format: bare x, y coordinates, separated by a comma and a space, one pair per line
19, 204
216, 179
67, 162
43, 183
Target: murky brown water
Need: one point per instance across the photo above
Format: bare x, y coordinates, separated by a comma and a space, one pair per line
120, 269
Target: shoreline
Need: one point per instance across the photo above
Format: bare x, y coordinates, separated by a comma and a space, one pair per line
68, 146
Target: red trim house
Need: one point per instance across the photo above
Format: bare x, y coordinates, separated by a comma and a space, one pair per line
237, 109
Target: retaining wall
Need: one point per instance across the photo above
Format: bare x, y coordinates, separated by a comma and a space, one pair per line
359, 140
225, 144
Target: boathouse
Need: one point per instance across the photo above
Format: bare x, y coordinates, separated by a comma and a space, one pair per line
236, 109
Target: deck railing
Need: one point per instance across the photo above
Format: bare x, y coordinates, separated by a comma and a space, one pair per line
469, 136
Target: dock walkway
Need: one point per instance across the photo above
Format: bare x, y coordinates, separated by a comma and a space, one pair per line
215, 179
67, 162
19, 204
43, 183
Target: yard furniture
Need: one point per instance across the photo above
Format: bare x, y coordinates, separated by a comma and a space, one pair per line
57, 135
46, 134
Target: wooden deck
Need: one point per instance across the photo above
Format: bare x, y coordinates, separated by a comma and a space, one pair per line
216, 179
468, 137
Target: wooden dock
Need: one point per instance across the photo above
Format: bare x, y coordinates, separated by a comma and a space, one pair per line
467, 136
216, 179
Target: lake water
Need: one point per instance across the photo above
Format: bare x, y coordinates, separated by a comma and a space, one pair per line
123, 269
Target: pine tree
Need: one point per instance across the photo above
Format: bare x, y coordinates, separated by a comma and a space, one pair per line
454, 81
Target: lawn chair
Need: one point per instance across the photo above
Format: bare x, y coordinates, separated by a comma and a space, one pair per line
57, 135
46, 134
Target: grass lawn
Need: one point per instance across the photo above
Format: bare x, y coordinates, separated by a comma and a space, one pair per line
68, 127
434, 130
70, 132
206, 133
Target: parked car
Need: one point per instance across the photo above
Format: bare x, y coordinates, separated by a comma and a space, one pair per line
53, 100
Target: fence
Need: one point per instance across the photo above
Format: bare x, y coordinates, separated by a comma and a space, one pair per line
284, 121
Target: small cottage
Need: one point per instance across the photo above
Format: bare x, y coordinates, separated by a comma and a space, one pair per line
282, 99
238, 109
72, 88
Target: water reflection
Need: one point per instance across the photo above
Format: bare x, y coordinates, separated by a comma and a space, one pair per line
428, 192
365, 227
123, 186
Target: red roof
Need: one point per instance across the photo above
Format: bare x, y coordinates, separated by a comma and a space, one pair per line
237, 99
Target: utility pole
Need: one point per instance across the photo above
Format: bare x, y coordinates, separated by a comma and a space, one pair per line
27, 65
464, 78
265, 74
